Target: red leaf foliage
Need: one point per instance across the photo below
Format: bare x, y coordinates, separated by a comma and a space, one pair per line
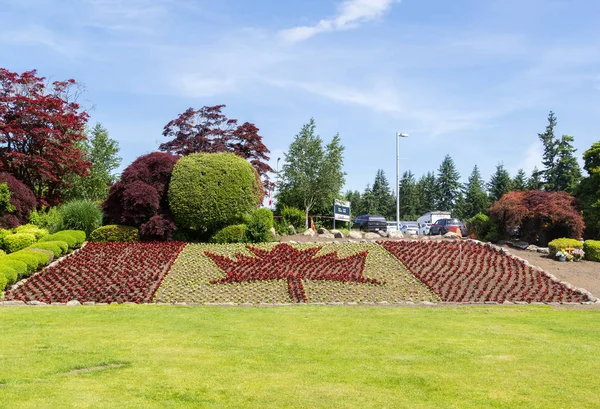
141, 194
460, 271
40, 127
21, 197
536, 212
284, 262
208, 130
103, 272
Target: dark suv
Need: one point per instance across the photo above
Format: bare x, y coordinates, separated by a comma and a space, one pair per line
370, 222
442, 225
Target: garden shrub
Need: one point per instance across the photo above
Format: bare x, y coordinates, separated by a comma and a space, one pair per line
592, 250
47, 218
3, 279
258, 228
480, 225
229, 234
17, 241
22, 202
115, 232
10, 275
82, 215
58, 248
160, 227
560, 244
34, 259
141, 193
74, 238
2, 253
294, 217
19, 267
210, 190
32, 229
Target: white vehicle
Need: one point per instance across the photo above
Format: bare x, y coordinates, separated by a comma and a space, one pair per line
410, 228
432, 217
424, 228
391, 226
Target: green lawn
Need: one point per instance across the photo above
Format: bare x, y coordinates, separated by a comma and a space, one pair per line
299, 357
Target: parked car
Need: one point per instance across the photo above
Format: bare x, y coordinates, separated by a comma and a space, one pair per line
392, 226
370, 222
424, 228
410, 228
442, 226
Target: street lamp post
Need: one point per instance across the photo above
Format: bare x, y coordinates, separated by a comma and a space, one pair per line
398, 135
277, 182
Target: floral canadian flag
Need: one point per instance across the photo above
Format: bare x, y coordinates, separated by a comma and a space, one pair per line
284, 262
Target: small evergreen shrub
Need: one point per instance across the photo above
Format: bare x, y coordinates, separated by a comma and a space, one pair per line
47, 218
258, 228
3, 279
73, 238
560, 244
34, 259
229, 234
10, 274
294, 217
19, 267
83, 215
58, 248
592, 250
17, 241
480, 225
32, 229
115, 232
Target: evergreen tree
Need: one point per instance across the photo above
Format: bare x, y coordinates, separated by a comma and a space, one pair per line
476, 199
428, 193
549, 156
409, 197
368, 202
448, 185
567, 171
500, 183
355, 200
520, 181
384, 199
535, 180
588, 192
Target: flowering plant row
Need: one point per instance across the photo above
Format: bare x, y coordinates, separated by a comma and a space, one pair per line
283, 273
103, 272
461, 271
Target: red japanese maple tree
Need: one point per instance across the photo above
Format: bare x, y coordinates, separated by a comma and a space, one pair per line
40, 126
208, 130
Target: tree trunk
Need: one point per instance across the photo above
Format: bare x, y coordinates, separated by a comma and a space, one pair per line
306, 217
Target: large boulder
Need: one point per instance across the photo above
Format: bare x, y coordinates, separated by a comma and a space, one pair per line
309, 232
451, 235
337, 234
326, 236
372, 236
322, 230
355, 235
395, 234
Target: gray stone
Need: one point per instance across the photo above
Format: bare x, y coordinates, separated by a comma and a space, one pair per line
532, 248
326, 236
543, 250
520, 244
451, 235
309, 232
12, 302
291, 229
372, 236
395, 234
355, 235
383, 233
36, 302
73, 303
273, 231
322, 230
89, 303
337, 234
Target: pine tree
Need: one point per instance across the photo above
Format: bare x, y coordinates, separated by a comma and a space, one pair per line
476, 199
355, 200
409, 196
500, 183
368, 203
428, 193
567, 171
384, 199
588, 191
520, 181
549, 155
448, 184
535, 180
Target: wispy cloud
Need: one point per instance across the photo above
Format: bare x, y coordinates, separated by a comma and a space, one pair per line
351, 13
36, 35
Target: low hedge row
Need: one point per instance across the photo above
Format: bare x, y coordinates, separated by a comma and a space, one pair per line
115, 232
560, 244
73, 238
592, 250
21, 264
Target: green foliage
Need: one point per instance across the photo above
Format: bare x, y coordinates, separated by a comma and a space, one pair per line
448, 185
563, 243
409, 197
592, 250
428, 193
481, 226
33, 259
292, 216
81, 215
520, 181
229, 234
210, 190
102, 152
18, 268
312, 177
58, 248
588, 191
535, 180
500, 183
47, 218
32, 229
73, 238
3, 279
258, 227
5, 205
385, 202
17, 241
115, 232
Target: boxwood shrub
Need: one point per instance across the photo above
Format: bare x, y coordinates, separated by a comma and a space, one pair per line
19, 267
560, 244
32, 229
74, 238
115, 232
258, 228
58, 248
211, 190
229, 234
3, 279
17, 241
9, 274
592, 250
34, 259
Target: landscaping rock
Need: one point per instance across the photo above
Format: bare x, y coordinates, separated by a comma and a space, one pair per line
383, 233
395, 234
451, 235
73, 303
309, 232
355, 235
372, 236
337, 234
520, 244
291, 229
12, 302
273, 231
326, 236
322, 231
531, 248
36, 302
543, 250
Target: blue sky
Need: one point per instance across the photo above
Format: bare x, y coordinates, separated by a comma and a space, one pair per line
470, 78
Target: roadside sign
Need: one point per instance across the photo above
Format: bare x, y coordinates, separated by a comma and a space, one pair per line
341, 210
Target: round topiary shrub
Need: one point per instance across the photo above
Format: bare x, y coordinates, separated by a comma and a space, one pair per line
17, 241
32, 229
22, 201
229, 234
115, 232
592, 250
82, 215
210, 190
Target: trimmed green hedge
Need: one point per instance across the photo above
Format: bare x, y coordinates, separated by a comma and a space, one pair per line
9, 274
3, 280
17, 241
4, 233
211, 190
58, 248
563, 243
18, 266
32, 229
74, 238
115, 232
34, 259
229, 234
592, 250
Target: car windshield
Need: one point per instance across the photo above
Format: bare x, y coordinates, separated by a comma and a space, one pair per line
411, 224
453, 222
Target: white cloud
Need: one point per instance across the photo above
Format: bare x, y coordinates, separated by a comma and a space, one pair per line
532, 159
36, 35
351, 13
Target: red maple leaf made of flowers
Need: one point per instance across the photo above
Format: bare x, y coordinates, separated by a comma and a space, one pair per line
284, 262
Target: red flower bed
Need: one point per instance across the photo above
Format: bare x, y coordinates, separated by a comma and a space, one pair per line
103, 272
284, 262
460, 271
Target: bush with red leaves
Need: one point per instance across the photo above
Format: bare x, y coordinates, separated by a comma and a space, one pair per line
541, 216
21, 197
141, 195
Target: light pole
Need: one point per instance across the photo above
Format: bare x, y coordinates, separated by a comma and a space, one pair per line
277, 183
398, 135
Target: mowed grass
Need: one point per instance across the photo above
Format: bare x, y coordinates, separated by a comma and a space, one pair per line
149, 356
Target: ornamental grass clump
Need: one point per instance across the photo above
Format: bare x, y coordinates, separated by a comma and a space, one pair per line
82, 215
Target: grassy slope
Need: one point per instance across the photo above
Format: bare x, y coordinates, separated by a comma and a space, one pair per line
300, 357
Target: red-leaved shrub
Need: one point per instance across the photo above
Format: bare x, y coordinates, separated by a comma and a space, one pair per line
159, 227
21, 197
